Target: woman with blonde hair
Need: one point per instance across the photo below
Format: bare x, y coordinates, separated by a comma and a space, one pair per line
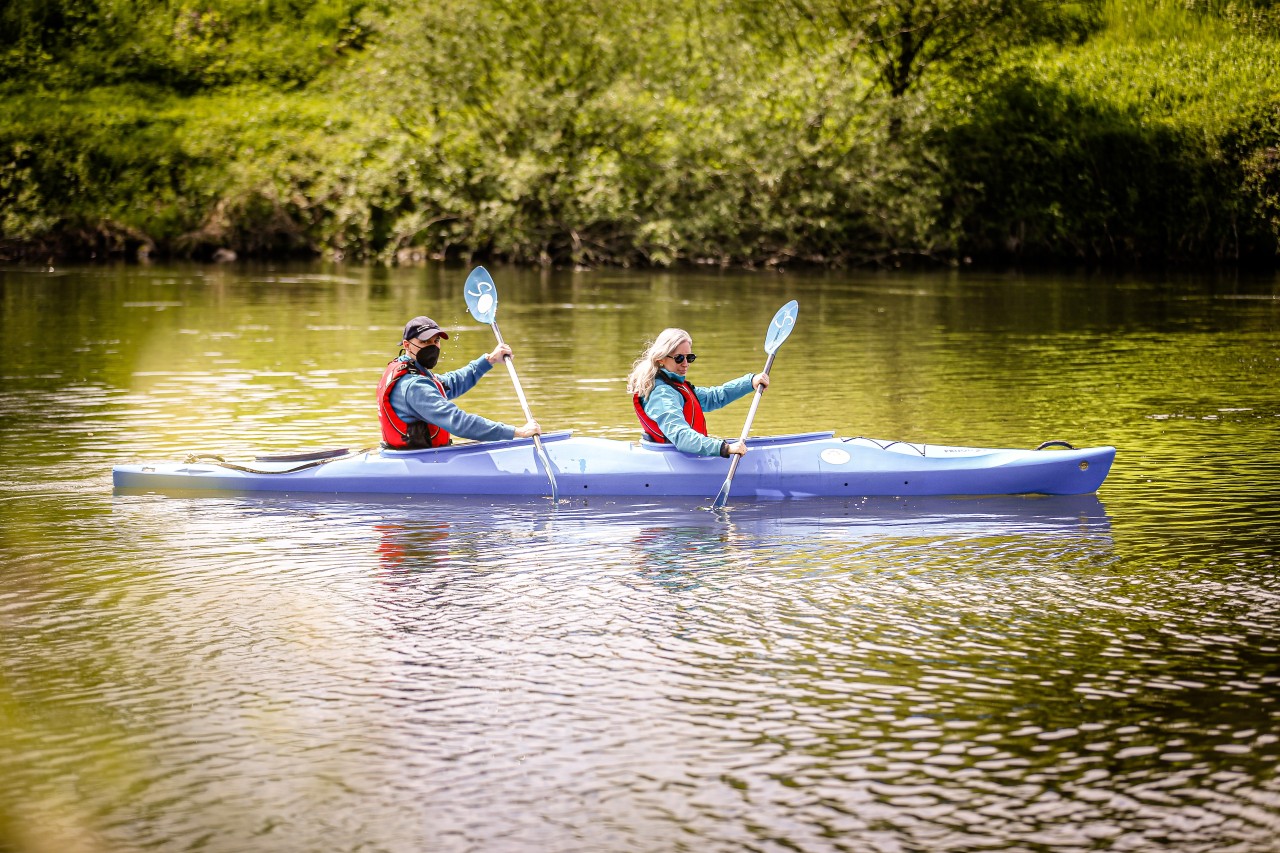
670, 408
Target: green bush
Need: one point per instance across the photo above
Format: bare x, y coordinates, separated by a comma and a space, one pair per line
182, 45
1043, 172
1252, 147
1127, 149
610, 138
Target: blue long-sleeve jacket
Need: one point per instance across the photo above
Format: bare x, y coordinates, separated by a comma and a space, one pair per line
416, 398
665, 405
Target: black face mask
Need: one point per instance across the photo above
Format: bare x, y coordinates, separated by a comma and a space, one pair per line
427, 357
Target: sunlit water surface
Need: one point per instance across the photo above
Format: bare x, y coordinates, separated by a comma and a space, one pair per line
229, 673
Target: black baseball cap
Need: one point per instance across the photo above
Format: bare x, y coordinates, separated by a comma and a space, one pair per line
422, 329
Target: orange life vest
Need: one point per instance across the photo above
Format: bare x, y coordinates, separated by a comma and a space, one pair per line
397, 434
692, 412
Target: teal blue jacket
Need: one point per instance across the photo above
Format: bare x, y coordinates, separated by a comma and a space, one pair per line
416, 398
665, 405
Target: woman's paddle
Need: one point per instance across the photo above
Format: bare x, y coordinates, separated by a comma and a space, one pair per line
779, 328
482, 301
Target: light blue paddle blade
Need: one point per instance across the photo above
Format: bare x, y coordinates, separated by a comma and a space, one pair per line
783, 322
482, 295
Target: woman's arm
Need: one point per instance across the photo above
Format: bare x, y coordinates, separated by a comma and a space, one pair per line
719, 396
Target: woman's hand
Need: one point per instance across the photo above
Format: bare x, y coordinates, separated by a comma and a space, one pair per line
760, 381
500, 352
529, 429
737, 448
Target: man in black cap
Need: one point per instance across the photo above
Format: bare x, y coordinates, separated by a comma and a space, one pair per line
415, 406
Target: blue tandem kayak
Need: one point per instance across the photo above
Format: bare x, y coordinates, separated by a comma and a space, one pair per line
789, 466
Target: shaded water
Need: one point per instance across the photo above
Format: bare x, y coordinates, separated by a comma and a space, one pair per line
1098, 672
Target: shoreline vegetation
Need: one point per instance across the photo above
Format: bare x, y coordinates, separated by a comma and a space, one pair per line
739, 133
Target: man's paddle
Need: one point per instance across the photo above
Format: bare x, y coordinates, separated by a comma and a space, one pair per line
779, 328
482, 301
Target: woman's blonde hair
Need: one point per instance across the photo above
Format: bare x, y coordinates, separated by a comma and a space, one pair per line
644, 372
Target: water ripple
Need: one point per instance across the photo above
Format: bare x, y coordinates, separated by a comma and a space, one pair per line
1022, 674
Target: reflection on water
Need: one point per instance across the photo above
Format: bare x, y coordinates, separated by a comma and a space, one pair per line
1077, 673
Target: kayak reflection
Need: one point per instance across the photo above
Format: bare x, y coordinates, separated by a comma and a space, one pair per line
806, 539
677, 543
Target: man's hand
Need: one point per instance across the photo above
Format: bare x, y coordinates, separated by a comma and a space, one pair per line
500, 352
531, 428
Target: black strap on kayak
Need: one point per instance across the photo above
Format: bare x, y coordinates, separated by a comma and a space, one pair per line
303, 460
303, 457
1055, 442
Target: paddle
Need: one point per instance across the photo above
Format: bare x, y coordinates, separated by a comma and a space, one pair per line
482, 301
779, 328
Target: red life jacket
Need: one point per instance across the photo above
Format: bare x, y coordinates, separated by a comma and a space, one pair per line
692, 412
396, 434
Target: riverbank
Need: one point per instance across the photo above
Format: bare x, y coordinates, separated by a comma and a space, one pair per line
1148, 138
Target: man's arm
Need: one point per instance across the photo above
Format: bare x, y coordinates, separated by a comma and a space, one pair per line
424, 401
460, 381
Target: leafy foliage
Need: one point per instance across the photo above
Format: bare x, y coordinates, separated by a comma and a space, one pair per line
1259, 17
1119, 150
594, 144
904, 40
183, 45
816, 131
1041, 172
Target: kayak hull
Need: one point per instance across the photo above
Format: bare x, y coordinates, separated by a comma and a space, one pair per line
779, 467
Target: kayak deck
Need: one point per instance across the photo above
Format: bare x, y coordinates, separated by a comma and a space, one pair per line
790, 466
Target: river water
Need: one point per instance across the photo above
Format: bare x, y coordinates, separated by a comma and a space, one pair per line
1015, 674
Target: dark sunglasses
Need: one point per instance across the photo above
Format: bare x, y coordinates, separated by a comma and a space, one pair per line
682, 358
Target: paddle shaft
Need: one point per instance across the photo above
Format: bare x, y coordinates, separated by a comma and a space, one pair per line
528, 415
746, 429
515, 380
